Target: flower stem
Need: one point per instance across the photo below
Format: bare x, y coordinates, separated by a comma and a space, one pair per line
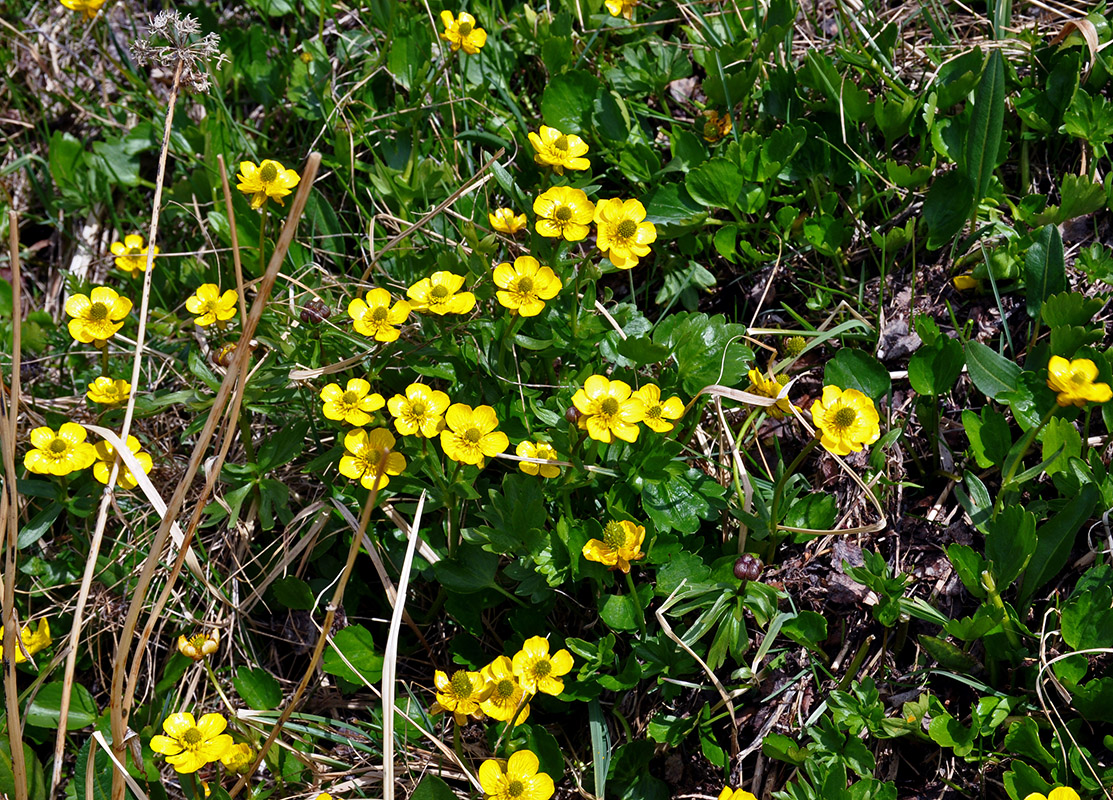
640, 617
526, 697
263, 240
104, 359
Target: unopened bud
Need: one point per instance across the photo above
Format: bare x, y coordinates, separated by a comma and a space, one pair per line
747, 568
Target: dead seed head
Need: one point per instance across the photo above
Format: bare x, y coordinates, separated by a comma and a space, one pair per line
175, 38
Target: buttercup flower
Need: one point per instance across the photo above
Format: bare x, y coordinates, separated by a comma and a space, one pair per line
199, 645
622, 231
189, 745
621, 544
1074, 381
89, 7
471, 434
106, 455
847, 420
96, 318
364, 452
658, 413
269, 179
564, 211
608, 410
461, 32
108, 392
1058, 793
323, 796
131, 253
537, 450
506, 692
964, 283
33, 640
735, 794
353, 404
59, 453
623, 8
516, 778
537, 671
525, 286
376, 317
770, 387
239, 758
559, 151
715, 127
209, 305
419, 412
504, 220
440, 294
461, 694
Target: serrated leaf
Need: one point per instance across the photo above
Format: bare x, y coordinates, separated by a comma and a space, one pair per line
718, 183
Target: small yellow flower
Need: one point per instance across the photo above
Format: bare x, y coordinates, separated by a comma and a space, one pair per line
537, 450
89, 7
199, 645
624, 8
323, 796
461, 32
108, 392
658, 413
440, 294
525, 286
715, 127
558, 150
537, 671
564, 212
106, 455
239, 758
353, 404
470, 434
607, 410
376, 317
131, 254
621, 543
964, 283
419, 412
461, 694
847, 420
1058, 793
33, 640
269, 179
96, 318
506, 692
622, 232
189, 745
365, 450
1074, 381
59, 453
735, 794
771, 387
516, 778
209, 305
504, 220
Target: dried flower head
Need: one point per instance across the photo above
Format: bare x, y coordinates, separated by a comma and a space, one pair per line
174, 38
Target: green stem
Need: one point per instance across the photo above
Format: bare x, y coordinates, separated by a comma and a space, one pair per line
450, 532
990, 586
778, 490
104, 359
1029, 437
526, 697
640, 618
263, 240
244, 424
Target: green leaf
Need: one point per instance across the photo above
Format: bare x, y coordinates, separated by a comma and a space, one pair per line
947, 731
947, 207
933, 369
36, 784
568, 102
1010, 541
1071, 308
1060, 436
354, 643
600, 745
782, 748
680, 502
45, 711
983, 137
258, 688
991, 372
990, 438
432, 787
1023, 738
806, 628
857, 369
39, 525
472, 570
670, 204
1023, 780
708, 350
1055, 538
620, 611
717, 183
293, 592
670, 730
1044, 269
1094, 700
1088, 620
969, 566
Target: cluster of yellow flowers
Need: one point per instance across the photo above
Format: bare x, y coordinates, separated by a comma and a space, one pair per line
64, 451
609, 409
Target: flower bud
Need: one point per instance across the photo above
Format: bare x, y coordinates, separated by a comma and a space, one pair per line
747, 568
315, 312
573, 415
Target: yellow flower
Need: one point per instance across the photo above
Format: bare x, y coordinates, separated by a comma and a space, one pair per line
239, 758
269, 179
199, 645
376, 317
516, 778
559, 151
189, 745
539, 450
1074, 381
1058, 793
504, 220
352, 404
622, 232
323, 796
462, 32
131, 253
506, 692
90, 7
525, 286
564, 211
658, 414
209, 305
461, 694
365, 450
735, 794
96, 318
537, 671
419, 412
607, 410
846, 419
965, 283
621, 544
33, 640
440, 294
106, 455
471, 434
716, 127
623, 8
108, 392
59, 453
770, 387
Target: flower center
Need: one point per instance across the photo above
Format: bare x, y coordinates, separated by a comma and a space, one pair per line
58, 446
378, 314
844, 417
465, 28
505, 688
438, 292
98, 312
614, 535
268, 172
133, 251
609, 406
349, 398
561, 142
515, 789
192, 737
461, 684
563, 214
1078, 379
473, 435
542, 668
417, 409
525, 285
653, 412
627, 228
